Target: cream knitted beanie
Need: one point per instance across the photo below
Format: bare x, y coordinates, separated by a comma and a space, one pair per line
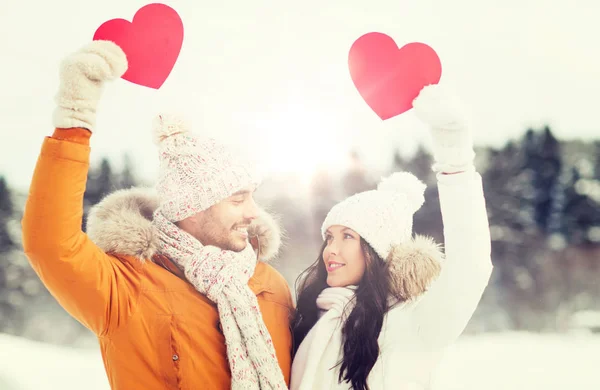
383, 217
195, 173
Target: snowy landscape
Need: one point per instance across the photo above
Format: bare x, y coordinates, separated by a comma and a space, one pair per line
504, 361
273, 78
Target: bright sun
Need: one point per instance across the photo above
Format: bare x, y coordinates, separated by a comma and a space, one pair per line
300, 139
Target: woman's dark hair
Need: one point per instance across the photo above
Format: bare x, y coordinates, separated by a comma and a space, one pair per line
362, 328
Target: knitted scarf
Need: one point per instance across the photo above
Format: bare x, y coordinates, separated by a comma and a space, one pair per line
321, 350
223, 277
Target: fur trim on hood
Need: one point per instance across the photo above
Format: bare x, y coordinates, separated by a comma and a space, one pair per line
122, 224
413, 266
265, 233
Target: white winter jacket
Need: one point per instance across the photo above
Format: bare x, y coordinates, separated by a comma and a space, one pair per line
416, 333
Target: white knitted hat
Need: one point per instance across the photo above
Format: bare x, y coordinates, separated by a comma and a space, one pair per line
195, 173
383, 217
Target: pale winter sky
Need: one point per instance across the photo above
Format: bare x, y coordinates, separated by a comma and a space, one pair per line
273, 76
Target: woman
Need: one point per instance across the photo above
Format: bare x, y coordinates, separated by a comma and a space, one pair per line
378, 307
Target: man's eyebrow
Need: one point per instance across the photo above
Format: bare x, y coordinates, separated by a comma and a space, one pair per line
241, 192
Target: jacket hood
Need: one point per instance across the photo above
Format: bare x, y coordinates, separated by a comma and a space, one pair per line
122, 224
413, 265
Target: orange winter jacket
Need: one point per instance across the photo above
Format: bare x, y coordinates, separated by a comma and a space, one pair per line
155, 330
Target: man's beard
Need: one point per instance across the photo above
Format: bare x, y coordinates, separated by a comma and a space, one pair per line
226, 240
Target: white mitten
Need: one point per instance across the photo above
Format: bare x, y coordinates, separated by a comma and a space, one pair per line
451, 134
82, 77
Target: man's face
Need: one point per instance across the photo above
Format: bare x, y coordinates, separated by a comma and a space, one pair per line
224, 225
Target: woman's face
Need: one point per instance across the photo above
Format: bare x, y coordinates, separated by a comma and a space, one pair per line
343, 256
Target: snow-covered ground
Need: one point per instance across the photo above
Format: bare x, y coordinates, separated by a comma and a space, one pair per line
508, 361
522, 361
28, 365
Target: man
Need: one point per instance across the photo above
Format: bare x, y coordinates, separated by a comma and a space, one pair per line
126, 281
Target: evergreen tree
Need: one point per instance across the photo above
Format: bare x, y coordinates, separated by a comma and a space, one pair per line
556, 228
597, 162
355, 179
7, 246
127, 179
107, 182
323, 196
420, 165
398, 162
542, 158
510, 198
6, 212
100, 182
581, 213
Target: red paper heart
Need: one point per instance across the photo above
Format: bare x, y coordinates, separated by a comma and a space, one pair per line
152, 42
388, 78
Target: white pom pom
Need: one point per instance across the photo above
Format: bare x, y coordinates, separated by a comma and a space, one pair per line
168, 125
405, 183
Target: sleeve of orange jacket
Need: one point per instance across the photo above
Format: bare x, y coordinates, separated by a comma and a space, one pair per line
87, 282
282, 337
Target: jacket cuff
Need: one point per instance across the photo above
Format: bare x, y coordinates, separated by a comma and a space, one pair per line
78, 135
68, 144
468, 174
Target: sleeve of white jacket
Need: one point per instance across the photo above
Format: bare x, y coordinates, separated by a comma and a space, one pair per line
445, 309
